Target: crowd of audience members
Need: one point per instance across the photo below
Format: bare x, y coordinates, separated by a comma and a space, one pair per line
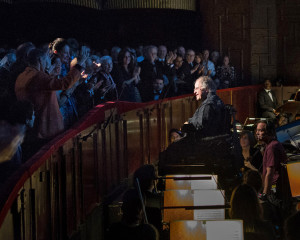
46, 88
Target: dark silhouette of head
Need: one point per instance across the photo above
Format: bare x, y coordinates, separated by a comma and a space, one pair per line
245, 205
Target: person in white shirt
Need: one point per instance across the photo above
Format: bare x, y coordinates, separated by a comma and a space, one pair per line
267, 101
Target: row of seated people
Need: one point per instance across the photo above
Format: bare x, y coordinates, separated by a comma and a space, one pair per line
260, 219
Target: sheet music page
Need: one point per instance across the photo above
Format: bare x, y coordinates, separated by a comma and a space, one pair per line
225, 230
203, 184
208, 197
209, 214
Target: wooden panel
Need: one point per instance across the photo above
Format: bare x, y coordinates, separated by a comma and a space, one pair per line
134, 139
54, 196
177, 214
289, 43
154, 133
27, 226
226, 30
263, 40
70, 190
89, 171
41, 186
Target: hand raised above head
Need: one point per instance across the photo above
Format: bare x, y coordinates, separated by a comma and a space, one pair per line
170, 57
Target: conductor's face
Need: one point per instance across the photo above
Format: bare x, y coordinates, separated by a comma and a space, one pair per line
199, 91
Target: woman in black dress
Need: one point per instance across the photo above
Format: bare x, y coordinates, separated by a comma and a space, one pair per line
252, 156
127, 76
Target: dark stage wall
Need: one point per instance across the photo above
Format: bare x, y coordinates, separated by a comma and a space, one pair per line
261, 36
102, 29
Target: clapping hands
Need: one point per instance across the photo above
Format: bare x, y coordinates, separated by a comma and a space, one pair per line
171, 57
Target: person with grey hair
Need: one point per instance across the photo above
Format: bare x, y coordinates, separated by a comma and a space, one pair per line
214, 57
107, 91
148, 73
209, 66
208, 119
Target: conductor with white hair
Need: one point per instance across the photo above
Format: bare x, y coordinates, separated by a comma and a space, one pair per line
209, 117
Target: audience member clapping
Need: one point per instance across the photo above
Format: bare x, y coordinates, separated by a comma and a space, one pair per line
127, 77
226, 74
38, 87
108, 90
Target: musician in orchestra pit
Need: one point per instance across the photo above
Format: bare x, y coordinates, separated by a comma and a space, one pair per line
274, 156
246, 206
208, 120
132, 225
175, 135
147, 176
267, 101
252, 156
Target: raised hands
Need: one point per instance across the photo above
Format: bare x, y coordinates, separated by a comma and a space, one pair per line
136, 74
83, 56
171, 56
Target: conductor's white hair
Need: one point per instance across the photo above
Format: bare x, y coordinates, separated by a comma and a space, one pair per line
207, 83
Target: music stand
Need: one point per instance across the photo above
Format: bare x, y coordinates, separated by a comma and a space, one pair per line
207, 230
293, 170
193, 205
191, 182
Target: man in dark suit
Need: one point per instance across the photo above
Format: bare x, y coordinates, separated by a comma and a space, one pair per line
267, 101
159, 90
148, 73
188, 69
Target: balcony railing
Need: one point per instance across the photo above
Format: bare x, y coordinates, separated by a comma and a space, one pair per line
54, 192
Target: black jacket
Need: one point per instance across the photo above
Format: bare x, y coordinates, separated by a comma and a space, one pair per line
208, 119
265, 103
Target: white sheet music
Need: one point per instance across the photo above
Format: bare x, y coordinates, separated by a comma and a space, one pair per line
208, 197
205, 184
209, 214
172, 184
225, 230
